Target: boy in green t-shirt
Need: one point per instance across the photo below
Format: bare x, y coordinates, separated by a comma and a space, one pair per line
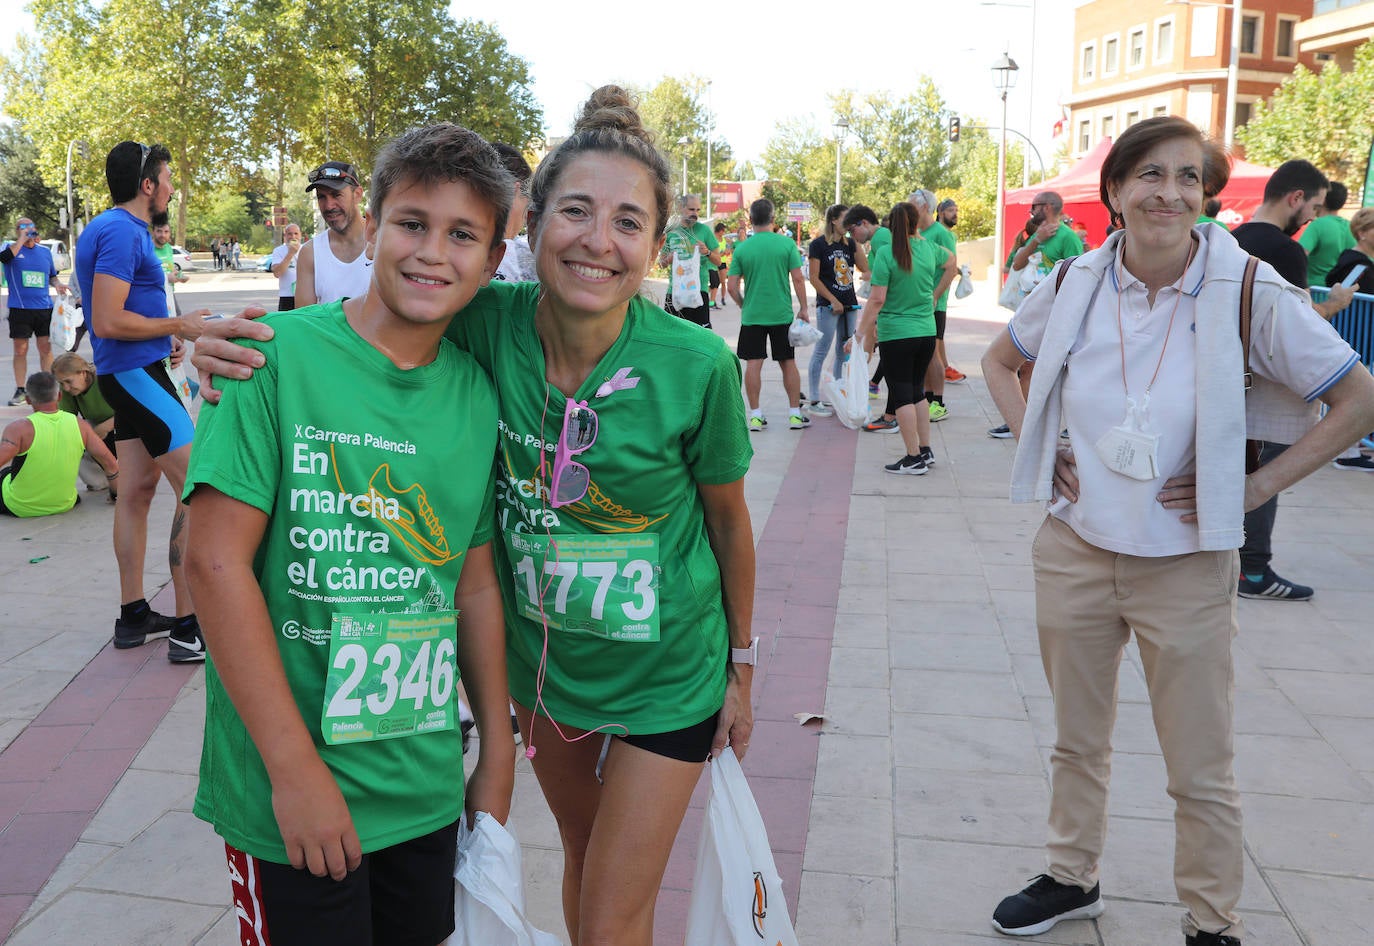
766, 263
1327, 236
342, 509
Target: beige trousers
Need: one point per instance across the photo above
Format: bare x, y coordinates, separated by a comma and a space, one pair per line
1182, 609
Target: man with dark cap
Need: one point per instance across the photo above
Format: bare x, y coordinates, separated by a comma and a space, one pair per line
334, 265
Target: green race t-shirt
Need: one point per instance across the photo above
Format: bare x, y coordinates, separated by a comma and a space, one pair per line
1063, 244
909, 309
90, 405
941, 235
766, 262
1203, 218
681, 240
882, 237
636, 624
376, 482
1325, 239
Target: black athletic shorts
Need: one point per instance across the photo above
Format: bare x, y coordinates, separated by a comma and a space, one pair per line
756, 340
700, 315
400, 896
714, 274
905, 360
692, 744
940, 316
147, 408
26, 322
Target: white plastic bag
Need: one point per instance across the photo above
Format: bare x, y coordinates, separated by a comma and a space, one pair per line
66, 318
736, 893
687, 281
489, 896
802, 333
964, 289
848, 394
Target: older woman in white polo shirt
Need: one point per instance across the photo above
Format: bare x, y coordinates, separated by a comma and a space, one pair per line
1138, 353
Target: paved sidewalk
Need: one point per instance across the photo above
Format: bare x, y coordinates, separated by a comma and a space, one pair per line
900, 606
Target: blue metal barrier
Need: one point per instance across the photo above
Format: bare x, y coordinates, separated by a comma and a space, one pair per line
1355, 324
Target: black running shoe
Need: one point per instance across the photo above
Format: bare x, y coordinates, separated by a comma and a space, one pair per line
908, 466
154, 627
1210, 939
1044, 903
186, 647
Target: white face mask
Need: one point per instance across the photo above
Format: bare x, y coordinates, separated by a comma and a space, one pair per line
1131, 448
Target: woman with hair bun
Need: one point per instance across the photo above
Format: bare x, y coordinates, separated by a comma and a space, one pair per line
627, 560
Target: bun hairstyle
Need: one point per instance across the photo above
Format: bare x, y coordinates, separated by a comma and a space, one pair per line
609, 124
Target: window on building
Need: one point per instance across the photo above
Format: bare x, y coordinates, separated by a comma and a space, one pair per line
1135, 50
1131, 118
1284, 48
1110, 52
1249, 35
1243, 110
1085, 135
1087, 62
1164, 41
1108, 126
1159, 111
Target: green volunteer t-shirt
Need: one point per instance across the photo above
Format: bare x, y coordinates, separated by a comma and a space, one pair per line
1325, 239
882, 237
632, 595
909, 309
1203, 218
376, 481
681, 241
941, 235
90, 405
1063, 244
766, 262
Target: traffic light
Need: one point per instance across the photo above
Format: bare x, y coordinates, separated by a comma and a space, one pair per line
954, 128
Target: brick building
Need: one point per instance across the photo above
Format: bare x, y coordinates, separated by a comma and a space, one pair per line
1135, 59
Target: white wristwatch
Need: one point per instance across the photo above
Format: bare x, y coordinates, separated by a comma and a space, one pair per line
746, 655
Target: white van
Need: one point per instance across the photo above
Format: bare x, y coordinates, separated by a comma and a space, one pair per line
60, 257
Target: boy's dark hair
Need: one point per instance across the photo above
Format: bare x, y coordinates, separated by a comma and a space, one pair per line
1336, 196
720, 227
860, 213
514, 161
122, 168
761, 212
1292, 176
1211, 207
440, 153
161, 220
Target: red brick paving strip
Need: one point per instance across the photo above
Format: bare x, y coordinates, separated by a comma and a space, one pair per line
58, 772
800, 558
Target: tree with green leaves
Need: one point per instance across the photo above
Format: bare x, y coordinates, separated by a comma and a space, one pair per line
1324, 117
675, 109
23, 191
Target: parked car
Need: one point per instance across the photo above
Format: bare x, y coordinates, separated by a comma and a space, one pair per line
181, 258
60, 257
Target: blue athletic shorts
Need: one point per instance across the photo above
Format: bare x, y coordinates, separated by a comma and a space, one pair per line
147, 408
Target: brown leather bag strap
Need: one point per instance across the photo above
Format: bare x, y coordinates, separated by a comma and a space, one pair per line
1247, 299
1061, 272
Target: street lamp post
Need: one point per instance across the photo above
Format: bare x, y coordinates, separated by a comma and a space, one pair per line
71, 213
1003, 78
1237, 8
682, 143
841, 130
710, 130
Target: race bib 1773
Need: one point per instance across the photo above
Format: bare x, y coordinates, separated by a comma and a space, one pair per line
606, 585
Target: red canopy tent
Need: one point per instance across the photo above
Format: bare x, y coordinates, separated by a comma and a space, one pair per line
1079, 186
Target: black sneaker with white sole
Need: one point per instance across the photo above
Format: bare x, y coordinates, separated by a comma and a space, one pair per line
908, 466
186, 647
1210, 939
1268, 584
1000, 432
928, 455
154, 627
1044, 903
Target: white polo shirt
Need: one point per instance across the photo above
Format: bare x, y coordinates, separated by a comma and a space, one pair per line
1113, 511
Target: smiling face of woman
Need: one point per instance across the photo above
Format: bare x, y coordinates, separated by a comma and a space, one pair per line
594, 241
1161, 197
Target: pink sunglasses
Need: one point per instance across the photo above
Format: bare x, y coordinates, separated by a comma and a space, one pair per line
570, 478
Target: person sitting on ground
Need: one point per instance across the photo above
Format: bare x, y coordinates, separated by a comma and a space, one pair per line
1361, 254
39, 454
81, 396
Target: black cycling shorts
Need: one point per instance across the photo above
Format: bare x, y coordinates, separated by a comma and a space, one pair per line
756, 340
